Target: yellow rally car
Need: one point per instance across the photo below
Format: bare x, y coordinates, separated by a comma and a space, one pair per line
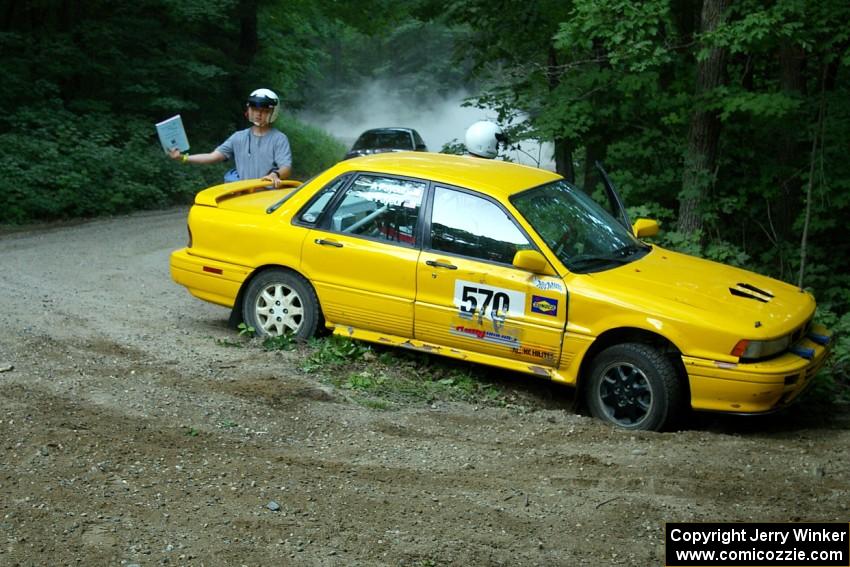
505, 265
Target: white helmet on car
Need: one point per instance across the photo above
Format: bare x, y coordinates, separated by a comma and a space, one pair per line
265, 98
482, 139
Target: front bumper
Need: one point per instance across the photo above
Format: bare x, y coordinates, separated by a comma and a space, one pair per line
756, 387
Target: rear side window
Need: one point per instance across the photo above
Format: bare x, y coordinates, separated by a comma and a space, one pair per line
382, 208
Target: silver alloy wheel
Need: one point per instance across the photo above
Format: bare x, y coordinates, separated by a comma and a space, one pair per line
625, 393
279, 309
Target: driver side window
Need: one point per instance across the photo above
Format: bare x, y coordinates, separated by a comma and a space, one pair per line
469, 225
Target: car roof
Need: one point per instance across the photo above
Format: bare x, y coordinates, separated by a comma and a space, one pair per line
389, 129
492, 176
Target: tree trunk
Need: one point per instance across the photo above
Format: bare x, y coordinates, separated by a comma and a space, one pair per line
563, 148
704, 131
785, 203
248, 42
817, 138
596, 142
594, 150
242, 82
336, 65
564, 160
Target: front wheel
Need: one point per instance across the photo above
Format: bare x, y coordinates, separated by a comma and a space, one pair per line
279, 302
634, 386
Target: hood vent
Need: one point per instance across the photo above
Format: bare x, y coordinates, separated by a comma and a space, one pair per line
750, 292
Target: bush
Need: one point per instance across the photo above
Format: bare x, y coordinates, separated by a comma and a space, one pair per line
313, 149
60, 165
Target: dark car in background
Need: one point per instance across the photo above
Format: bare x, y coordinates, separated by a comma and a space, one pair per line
380, 140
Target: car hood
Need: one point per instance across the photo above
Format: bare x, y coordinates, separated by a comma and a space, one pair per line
729, 296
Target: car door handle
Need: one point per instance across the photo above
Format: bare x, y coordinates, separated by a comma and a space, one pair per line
437, 264
333, 243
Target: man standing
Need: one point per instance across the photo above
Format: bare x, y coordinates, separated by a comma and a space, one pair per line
259, 151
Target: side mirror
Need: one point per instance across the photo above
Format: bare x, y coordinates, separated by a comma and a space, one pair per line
644, 228
532, 261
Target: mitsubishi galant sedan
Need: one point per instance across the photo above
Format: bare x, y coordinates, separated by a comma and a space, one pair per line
508, 266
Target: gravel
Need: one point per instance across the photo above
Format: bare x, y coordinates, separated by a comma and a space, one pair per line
132, 435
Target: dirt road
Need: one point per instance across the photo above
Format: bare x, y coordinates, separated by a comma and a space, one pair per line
132, 434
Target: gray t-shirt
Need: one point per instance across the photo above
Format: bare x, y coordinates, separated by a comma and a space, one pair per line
256, 156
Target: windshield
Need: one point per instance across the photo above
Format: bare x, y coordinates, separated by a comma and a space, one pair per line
378, 139
583, 235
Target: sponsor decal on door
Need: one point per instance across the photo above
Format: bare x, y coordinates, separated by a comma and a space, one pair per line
544, 305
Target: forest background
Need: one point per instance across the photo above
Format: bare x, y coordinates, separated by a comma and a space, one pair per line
729, 122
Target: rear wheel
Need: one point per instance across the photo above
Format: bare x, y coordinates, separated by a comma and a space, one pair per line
279, 302
634, 386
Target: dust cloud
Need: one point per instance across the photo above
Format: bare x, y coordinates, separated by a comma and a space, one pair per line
441, 120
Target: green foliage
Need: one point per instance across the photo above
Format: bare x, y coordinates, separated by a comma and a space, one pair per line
454, 147
246, 330
394, 376
835, 379
692, 243
726, 253
82, 89
631, 35
411, 57
313, 149
401, 377
364, 380
687, 243
113, 169
758, 105
333, 351
281, 342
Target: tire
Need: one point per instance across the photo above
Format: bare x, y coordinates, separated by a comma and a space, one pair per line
634, 386
277, 302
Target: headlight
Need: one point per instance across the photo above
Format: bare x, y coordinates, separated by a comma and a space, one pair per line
748, 349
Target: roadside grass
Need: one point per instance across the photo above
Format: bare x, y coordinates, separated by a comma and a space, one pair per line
413, 385
386, 378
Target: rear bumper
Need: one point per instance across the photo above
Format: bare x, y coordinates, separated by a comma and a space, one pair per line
210, 280
758, 387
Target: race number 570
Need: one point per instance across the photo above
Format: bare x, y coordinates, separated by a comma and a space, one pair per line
472, 298
476, 298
